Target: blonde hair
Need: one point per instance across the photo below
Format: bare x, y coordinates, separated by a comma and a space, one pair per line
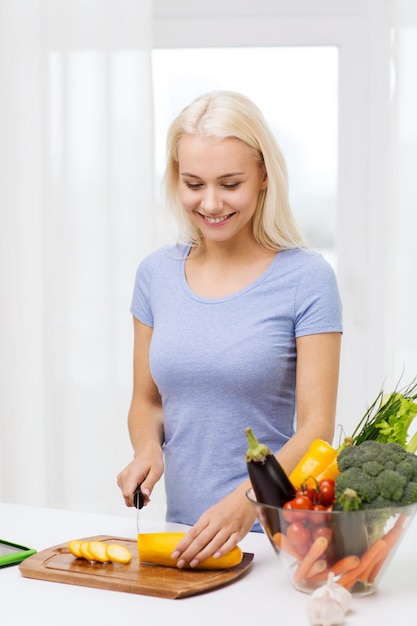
223, 114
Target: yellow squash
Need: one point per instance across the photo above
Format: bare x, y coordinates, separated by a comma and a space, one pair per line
99, 551
157, 548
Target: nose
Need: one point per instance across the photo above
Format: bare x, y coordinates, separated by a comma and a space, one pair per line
211, 202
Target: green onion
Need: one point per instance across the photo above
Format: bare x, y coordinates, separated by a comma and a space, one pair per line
389, 418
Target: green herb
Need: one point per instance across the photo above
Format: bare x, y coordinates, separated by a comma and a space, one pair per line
389, 418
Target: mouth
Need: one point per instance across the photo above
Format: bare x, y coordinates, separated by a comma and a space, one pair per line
214, 220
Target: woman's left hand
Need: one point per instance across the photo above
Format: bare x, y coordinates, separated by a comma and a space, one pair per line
217, 531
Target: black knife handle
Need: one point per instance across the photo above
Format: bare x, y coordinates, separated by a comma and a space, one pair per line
138, 498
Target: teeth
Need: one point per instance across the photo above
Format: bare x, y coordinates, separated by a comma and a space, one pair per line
216, 220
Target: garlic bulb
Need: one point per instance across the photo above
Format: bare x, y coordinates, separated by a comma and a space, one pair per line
325, 611
329, 604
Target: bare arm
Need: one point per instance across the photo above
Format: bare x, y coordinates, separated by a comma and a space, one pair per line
318, 358
145, 423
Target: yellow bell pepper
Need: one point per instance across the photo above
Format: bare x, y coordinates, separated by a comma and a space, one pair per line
318, 463
157, 548
330, 472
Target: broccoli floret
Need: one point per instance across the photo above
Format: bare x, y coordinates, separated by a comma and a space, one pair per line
377, 503
372, 468
393, 452
355, 478
410, 493
391, 484
408, 467
381, 475
356, 456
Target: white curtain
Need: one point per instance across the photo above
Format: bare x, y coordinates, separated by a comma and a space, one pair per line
76, 187
404, 173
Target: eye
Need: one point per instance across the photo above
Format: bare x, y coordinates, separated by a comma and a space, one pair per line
193, 186
230, 185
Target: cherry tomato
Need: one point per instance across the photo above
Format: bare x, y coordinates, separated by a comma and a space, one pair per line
319, 518
287, 513
308, 491
326, 491
323, 531
299, 535
302, 502
294, 510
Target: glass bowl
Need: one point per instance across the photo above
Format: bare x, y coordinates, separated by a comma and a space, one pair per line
357, 545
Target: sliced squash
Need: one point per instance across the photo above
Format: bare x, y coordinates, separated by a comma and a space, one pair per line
98, 550
74, 547
118, 553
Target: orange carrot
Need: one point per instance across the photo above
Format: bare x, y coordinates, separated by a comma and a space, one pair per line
366, 571
367, 560
373, 571
318, 567
390, 539
401, 519
284, 544
393, 535
344, 564
315, 551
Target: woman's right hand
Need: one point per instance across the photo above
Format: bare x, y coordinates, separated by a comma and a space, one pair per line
144, 470
146, 425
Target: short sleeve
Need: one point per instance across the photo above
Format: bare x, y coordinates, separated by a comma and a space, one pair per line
141, 300
318, 303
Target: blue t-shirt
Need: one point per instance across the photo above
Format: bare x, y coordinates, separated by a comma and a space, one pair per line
222, 364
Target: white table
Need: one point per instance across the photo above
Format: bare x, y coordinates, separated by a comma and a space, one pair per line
264, 596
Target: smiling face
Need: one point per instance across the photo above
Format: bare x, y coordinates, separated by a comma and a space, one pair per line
220, 181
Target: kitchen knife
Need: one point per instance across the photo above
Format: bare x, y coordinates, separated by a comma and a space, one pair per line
138, 501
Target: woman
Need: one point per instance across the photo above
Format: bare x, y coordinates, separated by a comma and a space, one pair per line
239, 325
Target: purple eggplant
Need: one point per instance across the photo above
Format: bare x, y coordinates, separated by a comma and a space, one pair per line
270, 483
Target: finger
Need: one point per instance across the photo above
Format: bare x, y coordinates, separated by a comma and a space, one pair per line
127, 486
221, 544
204, 545
189, 546
227, 546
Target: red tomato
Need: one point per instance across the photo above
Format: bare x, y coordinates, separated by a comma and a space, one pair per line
287, 512
303, 548
294, 510
323, 531
302, 502
305, 490
326, 491
320, 518
298, 534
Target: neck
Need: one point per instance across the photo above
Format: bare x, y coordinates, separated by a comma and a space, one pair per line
232, 249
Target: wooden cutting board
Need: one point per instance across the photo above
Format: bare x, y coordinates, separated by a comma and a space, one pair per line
57, 564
